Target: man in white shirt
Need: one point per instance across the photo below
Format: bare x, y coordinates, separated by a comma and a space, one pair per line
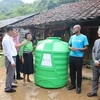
10, 58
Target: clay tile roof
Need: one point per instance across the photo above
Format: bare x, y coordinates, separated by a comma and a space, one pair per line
66, 12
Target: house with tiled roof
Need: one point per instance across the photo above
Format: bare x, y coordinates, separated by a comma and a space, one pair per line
6, 22
60, 20
66, 13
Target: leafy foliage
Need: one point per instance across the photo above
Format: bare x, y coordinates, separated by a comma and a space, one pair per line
13, 8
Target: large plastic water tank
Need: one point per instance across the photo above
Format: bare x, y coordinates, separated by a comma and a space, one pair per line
51, 63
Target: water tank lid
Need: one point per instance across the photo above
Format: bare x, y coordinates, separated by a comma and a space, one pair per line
54, 38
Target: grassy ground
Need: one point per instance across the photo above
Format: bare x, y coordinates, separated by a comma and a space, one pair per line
1, 59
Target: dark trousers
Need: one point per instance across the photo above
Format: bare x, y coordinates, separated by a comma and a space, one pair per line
17, 66
76, 70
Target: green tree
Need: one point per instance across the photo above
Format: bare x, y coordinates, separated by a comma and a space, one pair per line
13, 8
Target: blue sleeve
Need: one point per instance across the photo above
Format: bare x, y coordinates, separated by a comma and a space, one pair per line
70, 41
86, 41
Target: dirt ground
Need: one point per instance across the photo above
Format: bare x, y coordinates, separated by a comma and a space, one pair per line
33, 92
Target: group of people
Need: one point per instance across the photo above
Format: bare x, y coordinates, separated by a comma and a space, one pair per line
17, 54
77, 44
18, 58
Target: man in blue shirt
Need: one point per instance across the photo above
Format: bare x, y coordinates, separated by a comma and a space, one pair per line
77, 44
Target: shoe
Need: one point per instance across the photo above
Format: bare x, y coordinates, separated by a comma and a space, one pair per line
78, 90
10, 91
19, 78
15, 82
91, 94
14, 86
71, 87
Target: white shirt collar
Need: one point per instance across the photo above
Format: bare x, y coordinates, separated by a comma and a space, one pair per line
8, 36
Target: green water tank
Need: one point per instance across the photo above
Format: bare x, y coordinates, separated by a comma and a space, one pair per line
51, 63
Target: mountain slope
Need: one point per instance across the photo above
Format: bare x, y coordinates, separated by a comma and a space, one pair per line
13, 8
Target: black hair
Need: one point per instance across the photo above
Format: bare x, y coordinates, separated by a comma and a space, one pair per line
26, 35
10, 28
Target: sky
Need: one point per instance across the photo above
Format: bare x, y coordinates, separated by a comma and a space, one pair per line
26, 1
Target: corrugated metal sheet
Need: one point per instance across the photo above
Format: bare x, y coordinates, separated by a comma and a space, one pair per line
6, 22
